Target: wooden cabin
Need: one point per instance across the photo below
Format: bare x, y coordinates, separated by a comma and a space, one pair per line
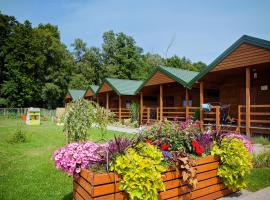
235, 86
117, 95
164, 95
239, 80
73, 94
90, 93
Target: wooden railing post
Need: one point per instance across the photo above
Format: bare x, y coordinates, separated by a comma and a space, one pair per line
217, 117
201, 103
157, 113
248, 101
120, 106
141, 108
161, 102
148, 115
187, 99
239, 118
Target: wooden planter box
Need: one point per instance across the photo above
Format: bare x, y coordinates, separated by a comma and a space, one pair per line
105, 186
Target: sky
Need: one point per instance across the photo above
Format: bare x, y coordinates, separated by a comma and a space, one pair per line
197, 29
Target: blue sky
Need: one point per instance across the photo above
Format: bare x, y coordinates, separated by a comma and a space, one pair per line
201, 30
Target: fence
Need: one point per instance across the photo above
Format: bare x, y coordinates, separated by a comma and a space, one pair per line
16, 112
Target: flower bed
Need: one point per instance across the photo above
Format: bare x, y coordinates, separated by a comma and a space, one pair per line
169, 160
91, 185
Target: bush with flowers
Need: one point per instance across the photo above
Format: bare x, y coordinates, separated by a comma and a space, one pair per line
179, 144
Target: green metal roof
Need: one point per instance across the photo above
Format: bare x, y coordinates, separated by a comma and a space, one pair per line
244, 39
122, 86
76, 94
181, 76
93, 88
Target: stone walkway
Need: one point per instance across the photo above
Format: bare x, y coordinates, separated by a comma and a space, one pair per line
263, 194
124, 129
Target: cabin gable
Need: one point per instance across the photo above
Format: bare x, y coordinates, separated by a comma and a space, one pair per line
243, 56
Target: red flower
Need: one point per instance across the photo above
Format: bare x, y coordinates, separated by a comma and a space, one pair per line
165, 147
198, 149
158, 142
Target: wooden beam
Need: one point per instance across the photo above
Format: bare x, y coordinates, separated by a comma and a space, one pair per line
217, 117
248, 101
161, 102
201, 102
97, 99
119, 108
187, 99
107, 100
141, 108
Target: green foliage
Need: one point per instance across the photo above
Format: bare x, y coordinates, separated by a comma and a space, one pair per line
36, 67
19, 136
261, 160
135, 111
81, 115
140, 168
236, 163
260, 140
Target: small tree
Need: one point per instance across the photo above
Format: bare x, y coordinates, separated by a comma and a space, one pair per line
134, 107
81, 115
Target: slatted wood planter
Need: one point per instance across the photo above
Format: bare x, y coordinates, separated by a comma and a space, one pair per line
105, 186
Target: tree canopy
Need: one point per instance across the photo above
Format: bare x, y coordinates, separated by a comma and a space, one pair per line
36, 68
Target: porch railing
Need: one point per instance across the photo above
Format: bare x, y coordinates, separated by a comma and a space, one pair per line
259, 116
152, 114
124, 114
212, 117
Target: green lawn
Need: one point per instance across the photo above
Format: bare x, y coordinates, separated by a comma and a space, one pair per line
26, 169
259, 178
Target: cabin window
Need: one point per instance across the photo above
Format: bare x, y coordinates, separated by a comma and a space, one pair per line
128, 104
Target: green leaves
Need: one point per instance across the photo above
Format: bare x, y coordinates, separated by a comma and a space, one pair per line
80, 117
141, 170
235, 163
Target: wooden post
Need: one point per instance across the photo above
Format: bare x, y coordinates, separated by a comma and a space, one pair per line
148, 115
217, 117
141, 108
239, 119
119, 108
187, 110
157, 113
107, 100
161, 102
201, 102
248, 101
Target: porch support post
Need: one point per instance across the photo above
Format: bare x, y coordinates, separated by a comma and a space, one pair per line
187, 110
141, 108
248, 101
107, 100
161, 102
119, 109
201, 103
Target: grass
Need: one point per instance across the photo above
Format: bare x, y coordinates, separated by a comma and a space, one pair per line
260, 140
26, 171
259, 179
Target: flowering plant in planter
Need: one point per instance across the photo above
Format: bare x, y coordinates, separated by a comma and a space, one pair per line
142, 161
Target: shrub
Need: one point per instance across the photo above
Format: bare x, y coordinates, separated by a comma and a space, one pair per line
81, 115
19, 136
261, 160
235, 162
243, 138
135, 112
141, 170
